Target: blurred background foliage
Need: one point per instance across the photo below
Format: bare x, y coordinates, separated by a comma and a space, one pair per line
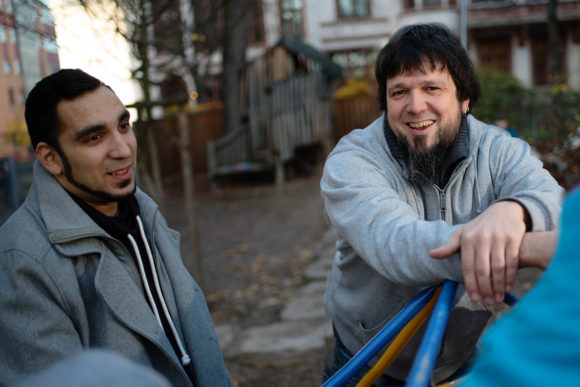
539, 114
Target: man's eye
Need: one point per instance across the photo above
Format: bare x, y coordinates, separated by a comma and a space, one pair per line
397, 93
125, 126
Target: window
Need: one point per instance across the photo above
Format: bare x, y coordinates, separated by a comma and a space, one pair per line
12, 35
46, 15
291, 17
409, 4
495, 53
356, 64
7, 68
16, 66
353, 9
541, 59
431, 3
50, 45
255, 22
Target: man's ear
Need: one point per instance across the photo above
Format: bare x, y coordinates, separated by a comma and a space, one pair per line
465, 107
49, 158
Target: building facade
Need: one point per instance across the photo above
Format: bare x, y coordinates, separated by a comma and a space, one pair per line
28, 53
511, 35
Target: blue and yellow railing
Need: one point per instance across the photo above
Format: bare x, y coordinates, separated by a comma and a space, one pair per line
436, 301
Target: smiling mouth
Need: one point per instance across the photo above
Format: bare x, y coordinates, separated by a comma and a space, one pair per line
421, 124
120, 172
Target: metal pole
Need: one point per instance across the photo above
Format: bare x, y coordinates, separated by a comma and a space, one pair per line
463, 23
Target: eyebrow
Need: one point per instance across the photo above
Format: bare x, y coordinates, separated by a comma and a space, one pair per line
84, 132
403, 85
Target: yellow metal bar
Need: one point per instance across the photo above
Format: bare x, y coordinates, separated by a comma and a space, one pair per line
399, 342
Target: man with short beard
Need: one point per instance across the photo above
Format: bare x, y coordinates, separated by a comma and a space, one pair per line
428, 193
88, 261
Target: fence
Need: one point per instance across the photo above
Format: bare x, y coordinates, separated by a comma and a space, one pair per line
204, 125
354, 112
15, 180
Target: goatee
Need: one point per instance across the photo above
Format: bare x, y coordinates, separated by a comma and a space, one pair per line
425, 166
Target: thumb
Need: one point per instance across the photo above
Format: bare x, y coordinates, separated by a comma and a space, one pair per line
448, 248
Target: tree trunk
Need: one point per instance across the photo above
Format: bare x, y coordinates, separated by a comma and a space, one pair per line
554, 59
142, 46
234, 51
555, 67
189, 196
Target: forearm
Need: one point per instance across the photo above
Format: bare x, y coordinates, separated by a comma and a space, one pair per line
537, 249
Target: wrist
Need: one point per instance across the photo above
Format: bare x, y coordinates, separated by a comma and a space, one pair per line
537, 249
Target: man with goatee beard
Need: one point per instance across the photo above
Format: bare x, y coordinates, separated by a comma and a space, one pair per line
428, 193
88, 261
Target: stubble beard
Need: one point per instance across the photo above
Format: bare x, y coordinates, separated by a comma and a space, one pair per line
101, 195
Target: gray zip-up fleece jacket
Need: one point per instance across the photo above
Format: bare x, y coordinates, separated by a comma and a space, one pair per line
385, 228
66, 285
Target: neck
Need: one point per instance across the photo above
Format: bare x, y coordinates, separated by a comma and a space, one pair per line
108, 209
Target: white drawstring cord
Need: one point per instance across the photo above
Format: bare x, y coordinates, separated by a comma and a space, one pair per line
185, 359
144, 279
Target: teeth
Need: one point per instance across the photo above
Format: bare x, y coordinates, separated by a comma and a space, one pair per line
120, 172
421, 124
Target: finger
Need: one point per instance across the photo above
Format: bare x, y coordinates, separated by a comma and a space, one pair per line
468, 269
483, 269
498, 271
448, 248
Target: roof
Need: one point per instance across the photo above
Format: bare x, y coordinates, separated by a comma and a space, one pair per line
299, 47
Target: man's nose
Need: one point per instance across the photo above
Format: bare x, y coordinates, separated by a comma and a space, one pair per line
416, 103
121, 145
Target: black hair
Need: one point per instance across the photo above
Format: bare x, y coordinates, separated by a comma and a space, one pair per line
412, 45
41, 113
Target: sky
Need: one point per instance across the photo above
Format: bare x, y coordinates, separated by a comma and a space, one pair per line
91, 44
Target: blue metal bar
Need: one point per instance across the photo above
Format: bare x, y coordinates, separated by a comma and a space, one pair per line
426, 357
381, 339
510, 299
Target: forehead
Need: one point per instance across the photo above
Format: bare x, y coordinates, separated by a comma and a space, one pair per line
427, 72
99, 106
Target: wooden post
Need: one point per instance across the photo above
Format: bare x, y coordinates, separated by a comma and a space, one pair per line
189, 192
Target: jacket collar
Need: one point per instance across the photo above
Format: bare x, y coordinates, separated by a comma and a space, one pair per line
65, 221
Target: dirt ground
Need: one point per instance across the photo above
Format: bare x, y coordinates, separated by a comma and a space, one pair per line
255, 242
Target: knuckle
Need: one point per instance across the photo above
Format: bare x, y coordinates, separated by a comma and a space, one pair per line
481, 272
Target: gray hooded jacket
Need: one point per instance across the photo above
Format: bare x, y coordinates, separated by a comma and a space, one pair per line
66, 285
385, 228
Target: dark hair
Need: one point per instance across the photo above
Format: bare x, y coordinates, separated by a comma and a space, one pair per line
411, 45
41, 114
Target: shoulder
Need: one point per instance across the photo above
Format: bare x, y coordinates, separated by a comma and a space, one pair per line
24, 231
493, 140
